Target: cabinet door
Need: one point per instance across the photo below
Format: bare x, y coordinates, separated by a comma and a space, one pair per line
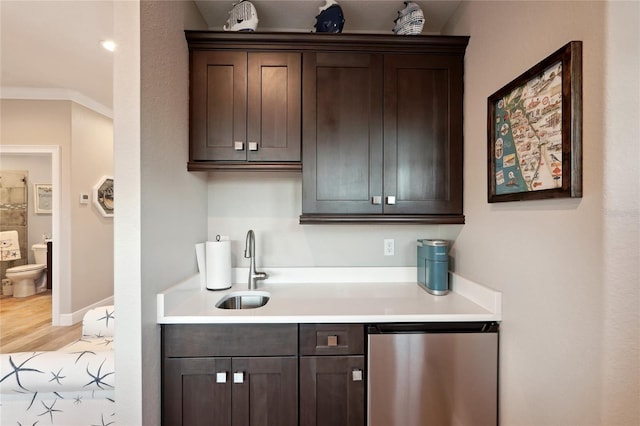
245, 106
266, 392
332, 391
423, 134
194, 394
342, 128
218, 105
273, 126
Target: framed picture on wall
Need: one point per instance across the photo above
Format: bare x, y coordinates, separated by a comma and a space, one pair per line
43, 200
103, 196
534, 131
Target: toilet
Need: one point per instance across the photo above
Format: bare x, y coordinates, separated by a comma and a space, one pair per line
30, 279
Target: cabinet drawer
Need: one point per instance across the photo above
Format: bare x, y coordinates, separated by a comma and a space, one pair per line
331, 339
205, 340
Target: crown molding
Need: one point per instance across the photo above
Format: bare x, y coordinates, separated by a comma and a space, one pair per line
45, 94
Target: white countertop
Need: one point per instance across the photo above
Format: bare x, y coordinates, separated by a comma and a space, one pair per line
333, 295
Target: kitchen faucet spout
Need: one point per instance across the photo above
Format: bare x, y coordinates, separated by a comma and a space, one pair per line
250, 253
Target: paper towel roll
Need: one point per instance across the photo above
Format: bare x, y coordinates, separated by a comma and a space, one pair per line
218, 260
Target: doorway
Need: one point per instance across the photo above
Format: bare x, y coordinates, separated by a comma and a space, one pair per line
60, 287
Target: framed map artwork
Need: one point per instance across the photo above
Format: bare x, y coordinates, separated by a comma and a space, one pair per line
534, 131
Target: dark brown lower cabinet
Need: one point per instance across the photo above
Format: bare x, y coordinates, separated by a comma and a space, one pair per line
332, 390
230, 374
191, 393
268, 396
263, 375
230, 391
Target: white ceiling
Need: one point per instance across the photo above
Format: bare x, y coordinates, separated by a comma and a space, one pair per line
55, 44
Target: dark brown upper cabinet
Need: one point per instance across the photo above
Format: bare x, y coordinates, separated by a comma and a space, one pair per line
382, 133
378, 118
423, 135
245, 109
343, 133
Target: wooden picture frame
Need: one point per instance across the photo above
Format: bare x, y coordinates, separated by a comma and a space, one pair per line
43, 198
534, 131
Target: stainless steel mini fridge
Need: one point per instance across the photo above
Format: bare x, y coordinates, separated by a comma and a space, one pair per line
433, 374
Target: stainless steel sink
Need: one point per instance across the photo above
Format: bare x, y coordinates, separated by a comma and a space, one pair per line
244, 300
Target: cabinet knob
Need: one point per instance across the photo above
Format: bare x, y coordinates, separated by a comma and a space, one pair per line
376, 199
391, 199
332, 341
221, 377
356, 375
238, 146
238, 377
253, 146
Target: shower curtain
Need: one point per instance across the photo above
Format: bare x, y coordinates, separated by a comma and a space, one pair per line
13, 212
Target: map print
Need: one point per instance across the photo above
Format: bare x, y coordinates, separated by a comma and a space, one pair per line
528, 135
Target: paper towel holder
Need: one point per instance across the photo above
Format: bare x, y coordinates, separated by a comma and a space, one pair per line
214, 264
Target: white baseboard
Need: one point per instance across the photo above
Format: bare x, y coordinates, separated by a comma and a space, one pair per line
75, 317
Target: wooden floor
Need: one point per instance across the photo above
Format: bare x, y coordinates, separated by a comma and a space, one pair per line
25, 325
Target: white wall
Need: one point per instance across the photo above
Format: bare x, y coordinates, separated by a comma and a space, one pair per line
621, 290
127, 222
92, 235
569, 346
270, 203
85, 138
163, 215
46, 123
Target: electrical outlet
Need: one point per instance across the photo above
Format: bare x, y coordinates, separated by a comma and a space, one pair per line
389, 247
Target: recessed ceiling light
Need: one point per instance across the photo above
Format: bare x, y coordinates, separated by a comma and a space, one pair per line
110, 45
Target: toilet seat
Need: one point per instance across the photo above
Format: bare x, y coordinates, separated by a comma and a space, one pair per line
26, 268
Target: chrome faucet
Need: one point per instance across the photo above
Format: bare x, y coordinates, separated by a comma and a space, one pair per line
250, 253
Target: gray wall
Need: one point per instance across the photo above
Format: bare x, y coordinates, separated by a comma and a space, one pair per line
568, 269
163, 210
548, 257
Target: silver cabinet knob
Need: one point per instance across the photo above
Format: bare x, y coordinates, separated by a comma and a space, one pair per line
332, 341
238, 377
253, 146
376, 199
356, 375
221, 377
391, 199
238, 146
